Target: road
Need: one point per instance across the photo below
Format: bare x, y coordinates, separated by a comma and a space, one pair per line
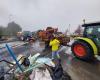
14, 43
77, 69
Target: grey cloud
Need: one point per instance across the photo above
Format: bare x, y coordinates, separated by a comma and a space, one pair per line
37, 14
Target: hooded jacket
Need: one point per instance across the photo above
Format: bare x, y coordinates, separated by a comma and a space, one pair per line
55, 44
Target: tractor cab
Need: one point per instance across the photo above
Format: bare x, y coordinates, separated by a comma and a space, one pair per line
92, 31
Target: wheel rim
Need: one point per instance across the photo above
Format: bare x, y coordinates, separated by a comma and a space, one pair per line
79, 50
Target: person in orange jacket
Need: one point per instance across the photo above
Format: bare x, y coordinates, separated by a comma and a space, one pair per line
55, 43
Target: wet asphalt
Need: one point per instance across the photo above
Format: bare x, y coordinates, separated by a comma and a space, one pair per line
77, 69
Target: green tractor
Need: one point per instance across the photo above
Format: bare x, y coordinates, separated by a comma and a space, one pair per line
88, 46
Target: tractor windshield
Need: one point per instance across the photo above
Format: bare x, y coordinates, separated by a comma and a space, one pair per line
93, 32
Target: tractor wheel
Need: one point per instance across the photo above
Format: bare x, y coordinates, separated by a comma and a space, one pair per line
82, 50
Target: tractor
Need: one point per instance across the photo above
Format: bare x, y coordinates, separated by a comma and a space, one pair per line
87, 47
45, 35
25, 36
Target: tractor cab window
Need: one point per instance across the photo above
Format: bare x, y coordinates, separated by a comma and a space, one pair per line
89, 31
99, 30
93, 32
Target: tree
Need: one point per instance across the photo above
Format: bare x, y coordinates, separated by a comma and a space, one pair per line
1, 31
13, 28
78, 30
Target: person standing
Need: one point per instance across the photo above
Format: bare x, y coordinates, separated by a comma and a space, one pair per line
55, 43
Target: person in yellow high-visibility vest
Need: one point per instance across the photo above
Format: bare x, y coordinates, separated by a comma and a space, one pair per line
55, 43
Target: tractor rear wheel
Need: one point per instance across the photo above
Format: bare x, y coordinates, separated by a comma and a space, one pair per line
82, 50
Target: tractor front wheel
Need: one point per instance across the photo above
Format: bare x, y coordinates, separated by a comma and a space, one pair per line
82, 50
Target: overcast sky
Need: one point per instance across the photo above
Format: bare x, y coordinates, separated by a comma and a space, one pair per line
38, 14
